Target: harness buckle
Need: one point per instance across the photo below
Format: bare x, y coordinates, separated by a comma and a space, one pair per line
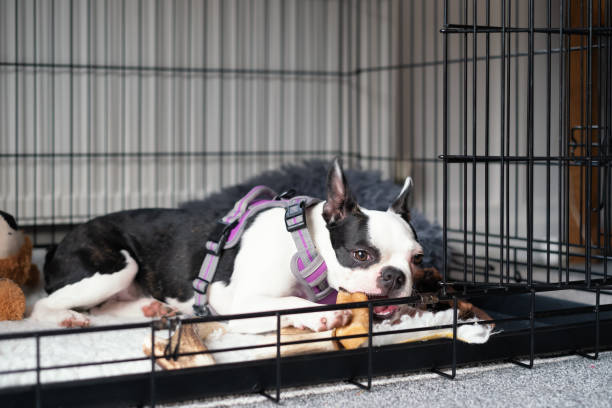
295, 217
201, 310
219, 236
200, 291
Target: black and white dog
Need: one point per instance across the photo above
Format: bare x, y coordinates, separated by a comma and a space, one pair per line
158, 252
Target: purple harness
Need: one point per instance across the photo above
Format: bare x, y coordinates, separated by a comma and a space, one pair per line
306, 264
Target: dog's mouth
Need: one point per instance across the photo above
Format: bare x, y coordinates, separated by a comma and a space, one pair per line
383, 312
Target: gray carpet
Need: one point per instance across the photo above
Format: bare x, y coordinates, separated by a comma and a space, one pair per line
560, 382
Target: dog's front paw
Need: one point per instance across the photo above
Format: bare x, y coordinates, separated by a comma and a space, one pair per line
61, 317
74, 319
157, 309
339, 318
323, 321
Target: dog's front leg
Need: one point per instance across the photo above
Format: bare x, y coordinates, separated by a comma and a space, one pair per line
317, 321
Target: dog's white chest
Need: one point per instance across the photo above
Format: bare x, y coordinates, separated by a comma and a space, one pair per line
262, 265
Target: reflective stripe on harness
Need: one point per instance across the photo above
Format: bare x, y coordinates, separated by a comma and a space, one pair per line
307, 265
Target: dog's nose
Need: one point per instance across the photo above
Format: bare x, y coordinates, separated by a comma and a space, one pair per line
391, 278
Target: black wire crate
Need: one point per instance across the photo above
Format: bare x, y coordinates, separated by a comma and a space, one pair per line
527, 171
499, 110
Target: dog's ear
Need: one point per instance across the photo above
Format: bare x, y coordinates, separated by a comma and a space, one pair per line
401, 204
10, 220
340, 202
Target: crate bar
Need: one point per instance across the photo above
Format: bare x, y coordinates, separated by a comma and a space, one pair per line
370, 346
172, 97
517, 125
159, 34
379, 82
277, 363
508, 138
464, 141
107, 98
124, 135
600, 123
35, 114
445, 149
89, 108
561, 148
595, 355
531, 335
467, 28
566, 137
77, 365
140, 113
152, 390
281, 124
548, 109
530, 147
52, 115
71, 154
16, 6
38, 395
608, 117
411, 83
435, 116
487, 104
589, 119
368, 385
258, 72
341, 60
474, 131
358, 86
278, 357
453, 372
392, 167
502, 129
424, 93
541, 160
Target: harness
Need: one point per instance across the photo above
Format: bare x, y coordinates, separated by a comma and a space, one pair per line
307, 265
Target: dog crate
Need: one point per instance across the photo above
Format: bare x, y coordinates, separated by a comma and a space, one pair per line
500, 110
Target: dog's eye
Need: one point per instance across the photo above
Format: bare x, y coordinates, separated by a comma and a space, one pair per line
417, 259
361, 255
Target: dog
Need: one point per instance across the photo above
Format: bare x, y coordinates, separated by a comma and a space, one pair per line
158, 252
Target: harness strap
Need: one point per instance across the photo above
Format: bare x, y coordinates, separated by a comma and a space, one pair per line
226, 235
307, 265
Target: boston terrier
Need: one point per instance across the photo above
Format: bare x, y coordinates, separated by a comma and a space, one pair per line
158, 253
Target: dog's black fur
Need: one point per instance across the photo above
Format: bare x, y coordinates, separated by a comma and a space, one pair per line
168, 244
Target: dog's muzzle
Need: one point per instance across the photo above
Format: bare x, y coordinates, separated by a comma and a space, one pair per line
390, 279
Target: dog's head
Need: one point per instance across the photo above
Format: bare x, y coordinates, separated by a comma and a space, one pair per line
376, 252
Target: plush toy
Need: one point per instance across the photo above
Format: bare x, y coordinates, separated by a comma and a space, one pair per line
16, 268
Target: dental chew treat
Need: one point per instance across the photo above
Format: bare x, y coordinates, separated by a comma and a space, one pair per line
359, 324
